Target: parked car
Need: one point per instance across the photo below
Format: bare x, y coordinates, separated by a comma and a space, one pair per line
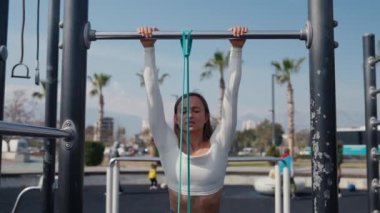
18, 149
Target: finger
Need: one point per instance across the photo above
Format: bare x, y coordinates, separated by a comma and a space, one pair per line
238, 32
234, 31
151, 30
241, 31
142, 31
148, 32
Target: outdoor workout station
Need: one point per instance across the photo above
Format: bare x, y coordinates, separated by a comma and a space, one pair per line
318, 35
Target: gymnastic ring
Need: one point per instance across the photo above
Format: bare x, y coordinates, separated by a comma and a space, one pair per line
20, 76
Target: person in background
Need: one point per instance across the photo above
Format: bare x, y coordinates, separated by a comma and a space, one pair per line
153, 176
289, 162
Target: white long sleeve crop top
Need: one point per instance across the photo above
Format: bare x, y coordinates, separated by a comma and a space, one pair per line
207, 171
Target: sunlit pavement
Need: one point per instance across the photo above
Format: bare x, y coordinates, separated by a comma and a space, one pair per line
238, 197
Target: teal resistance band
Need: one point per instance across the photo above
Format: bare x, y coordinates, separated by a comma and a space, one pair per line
186, 49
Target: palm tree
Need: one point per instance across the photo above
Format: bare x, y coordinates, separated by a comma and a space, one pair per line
160, 79
284, 70
99, 81
218, 62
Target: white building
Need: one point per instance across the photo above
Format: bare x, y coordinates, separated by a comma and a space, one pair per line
248, 124
104, 130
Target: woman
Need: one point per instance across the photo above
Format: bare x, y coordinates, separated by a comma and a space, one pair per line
208, 151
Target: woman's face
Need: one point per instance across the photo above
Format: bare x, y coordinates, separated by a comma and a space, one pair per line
197, 114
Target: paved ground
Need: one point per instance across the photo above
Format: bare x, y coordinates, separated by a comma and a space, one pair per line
139, 199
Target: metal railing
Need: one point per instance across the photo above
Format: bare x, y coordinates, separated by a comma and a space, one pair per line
112, 185
67, 132
39, 187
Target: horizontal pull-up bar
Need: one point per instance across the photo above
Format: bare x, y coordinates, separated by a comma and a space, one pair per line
303, 34
67, 132
201, 35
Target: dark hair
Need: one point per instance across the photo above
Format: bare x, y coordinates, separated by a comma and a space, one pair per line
207, 129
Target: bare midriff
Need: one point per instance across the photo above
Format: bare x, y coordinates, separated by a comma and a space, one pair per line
199, 204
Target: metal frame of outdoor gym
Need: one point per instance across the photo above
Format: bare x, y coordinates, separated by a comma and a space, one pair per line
112, 186
68, 129
371, 120
318, 34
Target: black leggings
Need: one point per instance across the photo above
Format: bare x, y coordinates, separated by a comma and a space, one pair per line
153, 182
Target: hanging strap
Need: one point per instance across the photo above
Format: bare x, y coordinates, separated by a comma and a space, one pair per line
186, 43
37, 75
21, 63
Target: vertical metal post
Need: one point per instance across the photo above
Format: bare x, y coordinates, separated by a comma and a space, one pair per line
4, 9
370, 119
323, 107
109, 188
115, 188
277, 188
73, 104
273, 113
50, 106
286, 189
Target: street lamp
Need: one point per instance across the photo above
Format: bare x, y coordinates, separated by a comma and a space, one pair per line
273, 112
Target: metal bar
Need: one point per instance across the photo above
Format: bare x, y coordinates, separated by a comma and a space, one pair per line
112, 195
374, 91
291, 34
286, 190
115, 189
48, 166
73, 104
22, 193
9, 128
139, 158
250, 159
277, 194
109, 196
323, 107
273, 112
4, 9
373, 60
230, 159
371, 123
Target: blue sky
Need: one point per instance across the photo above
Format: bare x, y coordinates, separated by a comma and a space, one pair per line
125, 99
